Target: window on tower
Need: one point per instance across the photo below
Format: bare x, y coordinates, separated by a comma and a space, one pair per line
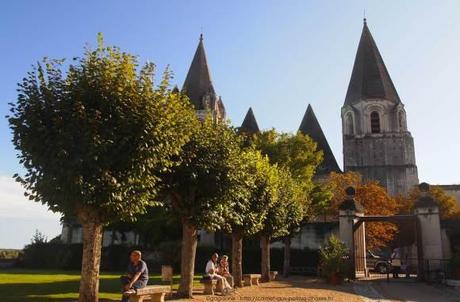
375, 122
349, 124
401, 121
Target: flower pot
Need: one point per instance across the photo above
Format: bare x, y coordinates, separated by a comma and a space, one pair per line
335, 279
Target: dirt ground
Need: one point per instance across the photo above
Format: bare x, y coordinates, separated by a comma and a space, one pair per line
294, 289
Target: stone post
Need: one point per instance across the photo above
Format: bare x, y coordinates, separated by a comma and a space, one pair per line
427, 211
349, 209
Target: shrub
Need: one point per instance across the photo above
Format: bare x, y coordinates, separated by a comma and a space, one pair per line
334, 259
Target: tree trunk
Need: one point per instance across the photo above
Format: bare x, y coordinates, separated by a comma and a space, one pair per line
92, 229
237, 258
265, 257
287, 256
189, 242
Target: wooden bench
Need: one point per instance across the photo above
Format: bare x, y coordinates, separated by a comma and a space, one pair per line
154, 293
209, 285
251, 279
273, 275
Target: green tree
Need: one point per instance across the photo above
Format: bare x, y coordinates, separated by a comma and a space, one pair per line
198, 189
93, 139
284, 214
249, 209
296, 153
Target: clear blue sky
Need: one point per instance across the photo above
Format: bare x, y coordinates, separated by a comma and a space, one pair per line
276, 56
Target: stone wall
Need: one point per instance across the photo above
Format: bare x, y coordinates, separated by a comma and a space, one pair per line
387, 158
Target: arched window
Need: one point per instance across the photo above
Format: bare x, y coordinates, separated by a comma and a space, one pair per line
401, 121
349, 126
375, 122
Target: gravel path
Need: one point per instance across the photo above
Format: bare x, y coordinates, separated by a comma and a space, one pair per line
307, 289
293, 289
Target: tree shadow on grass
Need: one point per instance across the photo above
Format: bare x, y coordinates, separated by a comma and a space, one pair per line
53, 291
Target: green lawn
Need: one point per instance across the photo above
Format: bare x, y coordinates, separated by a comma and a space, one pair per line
44, 285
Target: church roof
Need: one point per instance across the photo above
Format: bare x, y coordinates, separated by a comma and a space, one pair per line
310, 126
198, 81
370, 78
249, 124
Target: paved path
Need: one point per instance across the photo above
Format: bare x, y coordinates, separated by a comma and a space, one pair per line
308, 289
381, 290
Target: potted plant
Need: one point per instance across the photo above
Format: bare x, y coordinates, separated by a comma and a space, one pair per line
333, 260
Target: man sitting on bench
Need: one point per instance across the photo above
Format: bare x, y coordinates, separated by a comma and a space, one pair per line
138, 275
212, 272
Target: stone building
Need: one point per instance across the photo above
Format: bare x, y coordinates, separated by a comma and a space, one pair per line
199, 88
376, 140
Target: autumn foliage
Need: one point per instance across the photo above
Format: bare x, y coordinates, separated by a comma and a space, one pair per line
375, 201
448, 206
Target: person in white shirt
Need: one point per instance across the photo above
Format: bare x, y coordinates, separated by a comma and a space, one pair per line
212, 272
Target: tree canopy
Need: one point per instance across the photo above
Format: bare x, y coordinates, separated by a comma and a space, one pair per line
202, 190
298, 155
97, 134
93, 137
448, 206
373, 198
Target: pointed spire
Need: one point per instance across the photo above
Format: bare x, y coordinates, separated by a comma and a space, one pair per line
249, 124
311, 127
370, 78
198, 81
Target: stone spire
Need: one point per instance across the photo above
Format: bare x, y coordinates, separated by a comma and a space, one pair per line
310, 126
199, 88
249, 124
198, 81
370, 78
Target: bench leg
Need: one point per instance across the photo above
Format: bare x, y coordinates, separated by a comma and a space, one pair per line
208, 289
247, 281
220, 285
256, 281
159, 297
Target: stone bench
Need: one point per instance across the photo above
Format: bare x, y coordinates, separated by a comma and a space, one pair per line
154, 293
251, 279
273, 275
209, 285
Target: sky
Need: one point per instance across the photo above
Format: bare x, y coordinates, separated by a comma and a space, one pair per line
274, 56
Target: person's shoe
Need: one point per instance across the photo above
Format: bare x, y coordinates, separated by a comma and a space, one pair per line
129, 292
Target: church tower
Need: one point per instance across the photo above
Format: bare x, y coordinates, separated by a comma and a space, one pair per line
199, 88
311, 127
376, 141
249, 125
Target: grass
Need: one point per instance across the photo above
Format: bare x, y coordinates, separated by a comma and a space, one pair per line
46, 285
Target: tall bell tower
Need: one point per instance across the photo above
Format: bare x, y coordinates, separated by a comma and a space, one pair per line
199, 88
376, 141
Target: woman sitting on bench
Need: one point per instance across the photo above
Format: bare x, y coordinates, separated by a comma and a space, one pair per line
212, 272
224, 269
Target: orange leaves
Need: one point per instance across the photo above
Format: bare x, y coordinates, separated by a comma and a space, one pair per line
373, 198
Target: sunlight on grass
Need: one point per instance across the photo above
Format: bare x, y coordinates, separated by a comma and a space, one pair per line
47, 285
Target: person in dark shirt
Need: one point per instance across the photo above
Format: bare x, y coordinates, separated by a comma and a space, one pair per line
137, 277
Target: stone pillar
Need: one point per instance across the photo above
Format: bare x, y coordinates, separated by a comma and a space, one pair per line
359, 237
349, 209
427, 211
